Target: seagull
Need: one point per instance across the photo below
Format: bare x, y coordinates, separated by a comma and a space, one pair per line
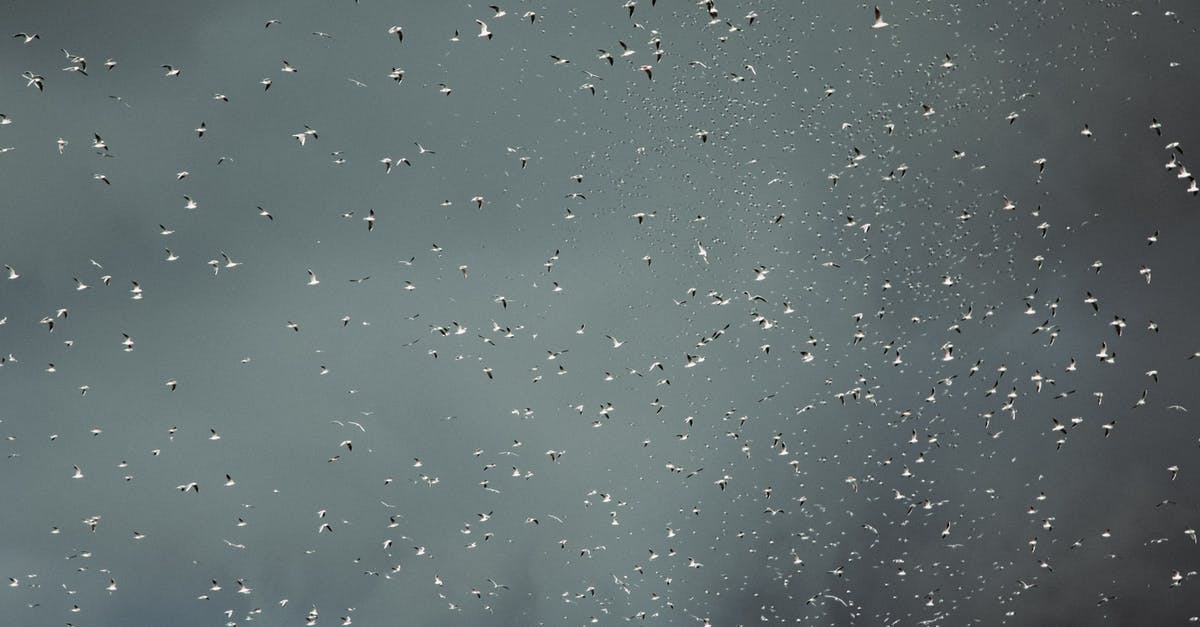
171, 70
312, 278
648, 69
483, 29
302, 137
615, 342
879, 23
370, 220
28, 37
12, 274
34, 80
397, 31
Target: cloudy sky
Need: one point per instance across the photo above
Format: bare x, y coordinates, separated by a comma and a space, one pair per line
656, 312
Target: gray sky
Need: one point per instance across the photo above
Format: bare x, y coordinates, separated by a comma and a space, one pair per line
817, 445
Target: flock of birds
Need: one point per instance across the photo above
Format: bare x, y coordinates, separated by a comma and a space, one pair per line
757, 405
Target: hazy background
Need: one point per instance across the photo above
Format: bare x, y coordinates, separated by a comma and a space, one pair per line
813, 450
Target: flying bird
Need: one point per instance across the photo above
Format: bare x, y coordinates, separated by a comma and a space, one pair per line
879, 23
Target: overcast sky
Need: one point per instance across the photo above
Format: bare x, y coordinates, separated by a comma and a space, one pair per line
750, 313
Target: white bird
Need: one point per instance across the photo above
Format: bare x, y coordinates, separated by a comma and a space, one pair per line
302, 137
879, 23
483, 29
34, 80
12, 274
312, 278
